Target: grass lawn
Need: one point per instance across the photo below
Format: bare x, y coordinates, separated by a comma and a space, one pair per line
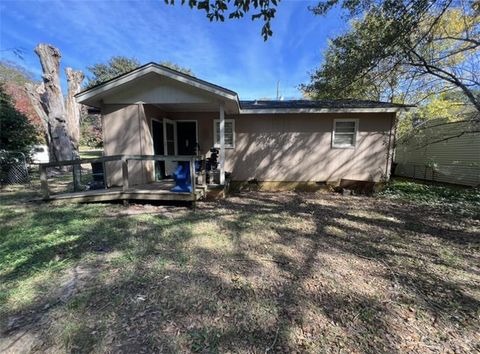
255, 273
87, 152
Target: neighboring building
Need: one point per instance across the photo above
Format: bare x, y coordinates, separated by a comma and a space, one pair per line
39, 154
157, 110
441, 151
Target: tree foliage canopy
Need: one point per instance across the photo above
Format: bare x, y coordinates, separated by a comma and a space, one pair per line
13, 77
176, 67
218, 10
402, 47
119, 65
116, 66
16, 133
91, 131
14, 73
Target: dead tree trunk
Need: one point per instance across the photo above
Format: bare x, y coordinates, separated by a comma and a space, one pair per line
35, 93
74, 80
61, 147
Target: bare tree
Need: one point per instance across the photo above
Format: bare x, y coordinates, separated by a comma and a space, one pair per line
48, 101
74, 80
35, 93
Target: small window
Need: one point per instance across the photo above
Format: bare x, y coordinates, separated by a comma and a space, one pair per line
344, 133
229, 133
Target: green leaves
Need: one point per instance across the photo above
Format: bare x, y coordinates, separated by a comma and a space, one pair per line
116, 66
400, 49
16, 132
216, 10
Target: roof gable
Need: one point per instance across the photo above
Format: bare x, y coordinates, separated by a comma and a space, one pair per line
149, 82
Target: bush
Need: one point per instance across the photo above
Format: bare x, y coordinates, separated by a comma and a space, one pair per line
91, 131
17, 133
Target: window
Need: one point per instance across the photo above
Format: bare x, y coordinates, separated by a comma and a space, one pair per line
344, 133
229, 133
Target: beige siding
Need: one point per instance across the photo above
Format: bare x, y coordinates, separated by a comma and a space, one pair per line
155, 89
126, 132
297, 147
440, 151
146, 144
284, 147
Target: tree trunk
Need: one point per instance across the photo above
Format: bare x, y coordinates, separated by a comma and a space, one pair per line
74, 80
35, 93
53, 105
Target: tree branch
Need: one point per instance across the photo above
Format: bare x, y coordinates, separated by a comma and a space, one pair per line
445, 75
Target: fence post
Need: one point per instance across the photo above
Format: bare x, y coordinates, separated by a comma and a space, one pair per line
192, 179
192, 174
76, 177
125, 173
104, 168
44, 182
204, 171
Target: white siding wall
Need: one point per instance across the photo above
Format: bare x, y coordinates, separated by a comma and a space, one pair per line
440, 151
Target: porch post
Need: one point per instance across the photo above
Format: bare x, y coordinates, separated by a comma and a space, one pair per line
222, 143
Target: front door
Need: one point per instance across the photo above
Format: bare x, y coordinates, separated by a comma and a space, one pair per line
187, 137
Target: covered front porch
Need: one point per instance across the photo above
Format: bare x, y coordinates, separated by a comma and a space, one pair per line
149, 130
186, 130
157, 111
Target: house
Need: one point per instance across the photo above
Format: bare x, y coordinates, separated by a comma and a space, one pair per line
440, 150
156, 110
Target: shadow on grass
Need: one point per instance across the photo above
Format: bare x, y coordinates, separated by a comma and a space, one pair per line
259, 278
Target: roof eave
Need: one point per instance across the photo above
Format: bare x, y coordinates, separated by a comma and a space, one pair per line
324, 110
87, 95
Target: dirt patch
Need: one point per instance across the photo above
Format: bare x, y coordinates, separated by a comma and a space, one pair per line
24, 331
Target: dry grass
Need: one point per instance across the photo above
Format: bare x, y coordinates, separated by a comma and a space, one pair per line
255, 273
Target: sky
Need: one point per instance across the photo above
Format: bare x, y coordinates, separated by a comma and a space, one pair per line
231, 54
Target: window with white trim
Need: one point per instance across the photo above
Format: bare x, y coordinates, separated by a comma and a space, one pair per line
229, 133
344, 133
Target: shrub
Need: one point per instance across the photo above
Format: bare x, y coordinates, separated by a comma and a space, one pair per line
17, 133
91, 131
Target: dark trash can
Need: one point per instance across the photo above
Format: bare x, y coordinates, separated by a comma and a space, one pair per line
98, 175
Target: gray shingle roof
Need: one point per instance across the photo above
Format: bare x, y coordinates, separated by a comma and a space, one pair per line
309, 104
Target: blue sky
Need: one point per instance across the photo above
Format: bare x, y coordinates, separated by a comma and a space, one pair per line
231, 54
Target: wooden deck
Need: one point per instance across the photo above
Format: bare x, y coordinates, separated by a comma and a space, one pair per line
160, 191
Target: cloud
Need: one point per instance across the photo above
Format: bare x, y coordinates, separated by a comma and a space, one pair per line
231, 54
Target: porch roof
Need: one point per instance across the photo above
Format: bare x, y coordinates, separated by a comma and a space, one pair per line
157, 84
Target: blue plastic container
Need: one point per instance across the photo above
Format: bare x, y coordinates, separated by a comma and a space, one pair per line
182, 178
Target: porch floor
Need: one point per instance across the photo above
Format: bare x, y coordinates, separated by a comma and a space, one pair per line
160, 191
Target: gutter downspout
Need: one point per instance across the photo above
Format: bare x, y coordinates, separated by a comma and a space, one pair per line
389, 156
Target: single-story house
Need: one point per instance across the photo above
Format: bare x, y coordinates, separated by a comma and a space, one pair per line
156, 110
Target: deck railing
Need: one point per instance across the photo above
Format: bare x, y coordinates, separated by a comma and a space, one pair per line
75, 167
